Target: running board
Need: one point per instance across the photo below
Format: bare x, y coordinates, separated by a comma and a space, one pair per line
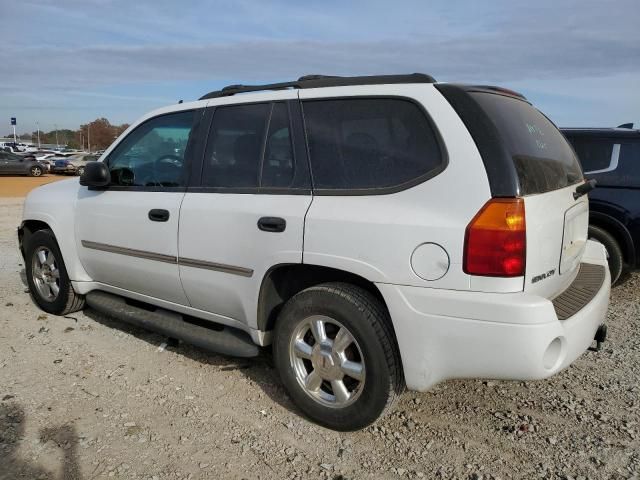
228, 341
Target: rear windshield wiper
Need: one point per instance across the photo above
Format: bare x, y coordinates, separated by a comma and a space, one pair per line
585, 188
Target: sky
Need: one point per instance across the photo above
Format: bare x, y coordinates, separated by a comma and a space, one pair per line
67, 62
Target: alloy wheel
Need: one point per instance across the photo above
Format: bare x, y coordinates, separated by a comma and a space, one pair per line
46, 274
327, 361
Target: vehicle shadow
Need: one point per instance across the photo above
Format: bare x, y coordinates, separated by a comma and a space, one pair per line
12, 427
259, 370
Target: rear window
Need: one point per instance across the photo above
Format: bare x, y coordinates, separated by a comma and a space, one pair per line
543, 159
370, 143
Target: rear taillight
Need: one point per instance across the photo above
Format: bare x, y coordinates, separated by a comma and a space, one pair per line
495, 242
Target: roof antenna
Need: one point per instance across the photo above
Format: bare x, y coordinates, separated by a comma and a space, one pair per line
179, 101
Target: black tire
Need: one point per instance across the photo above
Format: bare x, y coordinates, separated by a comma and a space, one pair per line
614, 252
369, 324
67, 300
35, 171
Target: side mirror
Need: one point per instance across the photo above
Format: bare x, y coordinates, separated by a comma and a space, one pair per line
96, 174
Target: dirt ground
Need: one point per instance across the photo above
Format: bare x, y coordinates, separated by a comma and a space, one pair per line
17, 186
84, 396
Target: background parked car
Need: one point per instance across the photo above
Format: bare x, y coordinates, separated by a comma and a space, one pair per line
46, 163
12, 164
63, 166
612, 157
10, 146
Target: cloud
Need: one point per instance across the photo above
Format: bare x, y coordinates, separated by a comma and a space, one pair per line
487, 57
116, 50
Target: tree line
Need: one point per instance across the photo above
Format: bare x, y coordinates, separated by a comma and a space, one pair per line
100, 132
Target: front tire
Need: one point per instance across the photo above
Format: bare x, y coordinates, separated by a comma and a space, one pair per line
614, 252
47, 277
35, 171
336, 354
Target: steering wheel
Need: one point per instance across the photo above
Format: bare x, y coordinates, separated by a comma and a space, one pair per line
168, 160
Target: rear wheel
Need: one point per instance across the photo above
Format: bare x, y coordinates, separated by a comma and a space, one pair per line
337, 356
80, 171
614, 252
47, 277
35, 171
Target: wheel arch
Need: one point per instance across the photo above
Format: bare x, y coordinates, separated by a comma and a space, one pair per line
28, 228
283, 281
64, 238
617, 229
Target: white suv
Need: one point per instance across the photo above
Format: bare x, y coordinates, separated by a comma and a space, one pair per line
376, 231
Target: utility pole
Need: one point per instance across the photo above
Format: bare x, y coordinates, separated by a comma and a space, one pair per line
89, 137
57, 144
13, 124
38, 127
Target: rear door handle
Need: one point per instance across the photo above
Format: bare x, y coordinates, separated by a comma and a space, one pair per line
272, 224
158, 215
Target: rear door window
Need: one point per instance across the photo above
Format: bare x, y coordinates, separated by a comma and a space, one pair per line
370, 144
542, 157
236, 142
251, 148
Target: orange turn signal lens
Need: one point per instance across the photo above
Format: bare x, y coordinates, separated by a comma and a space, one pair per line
496, 239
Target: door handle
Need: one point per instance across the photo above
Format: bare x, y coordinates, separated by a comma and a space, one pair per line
158, 215
272, 224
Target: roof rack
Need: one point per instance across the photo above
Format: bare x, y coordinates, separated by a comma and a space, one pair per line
318, 81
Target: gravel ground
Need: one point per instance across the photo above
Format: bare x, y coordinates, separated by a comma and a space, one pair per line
87, 397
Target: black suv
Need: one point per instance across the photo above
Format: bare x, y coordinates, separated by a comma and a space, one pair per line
612, 157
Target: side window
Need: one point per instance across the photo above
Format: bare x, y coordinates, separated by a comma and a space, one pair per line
153, 155
278, 164
593, 155
630, 155
235, 146
369, 143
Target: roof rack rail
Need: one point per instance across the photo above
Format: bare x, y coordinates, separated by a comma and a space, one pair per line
319, 81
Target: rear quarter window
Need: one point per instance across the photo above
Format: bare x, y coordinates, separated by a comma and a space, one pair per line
370, 144
613, 162
542, 157
594, 155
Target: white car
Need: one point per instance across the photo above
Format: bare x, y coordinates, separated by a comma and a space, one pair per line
376, 231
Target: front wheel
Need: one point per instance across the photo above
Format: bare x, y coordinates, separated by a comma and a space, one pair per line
336, 354
35, 171
47, 277
80, 171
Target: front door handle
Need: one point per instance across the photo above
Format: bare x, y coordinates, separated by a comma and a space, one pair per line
272, 224
158, 215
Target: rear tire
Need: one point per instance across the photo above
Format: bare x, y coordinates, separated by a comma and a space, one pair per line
353, 376
47, 277
614, 252
35, 171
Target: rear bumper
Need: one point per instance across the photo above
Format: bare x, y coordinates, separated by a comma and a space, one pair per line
444, 334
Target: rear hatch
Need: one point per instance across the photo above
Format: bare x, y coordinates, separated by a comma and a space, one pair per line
548, 173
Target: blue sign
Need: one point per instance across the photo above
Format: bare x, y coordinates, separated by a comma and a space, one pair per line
13, 120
